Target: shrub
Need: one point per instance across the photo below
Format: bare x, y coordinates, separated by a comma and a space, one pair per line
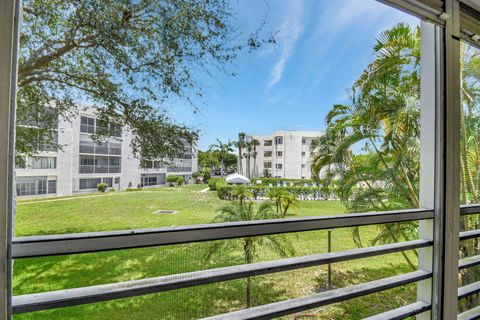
225, 192
212, 183
274, 181
173, 179
180, 180
133, 189
102, 187
205, 174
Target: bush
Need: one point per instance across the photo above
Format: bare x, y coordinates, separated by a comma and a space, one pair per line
102, 187
225, 192
212, 183
274, 181
205, 174
180, 180
173, 179
133, 189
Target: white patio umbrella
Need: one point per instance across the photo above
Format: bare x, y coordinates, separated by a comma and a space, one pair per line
237, 179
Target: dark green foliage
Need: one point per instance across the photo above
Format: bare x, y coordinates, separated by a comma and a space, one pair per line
225, 191
215, 183
175, 180
125, 58
102, 187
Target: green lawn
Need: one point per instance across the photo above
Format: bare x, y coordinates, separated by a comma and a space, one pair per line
129, 210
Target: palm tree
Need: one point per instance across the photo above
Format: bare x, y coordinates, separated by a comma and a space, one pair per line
384, 117
289, 201
241, 193
223, 149
240, 144
255, 143
235, 212
283, 200
249, 148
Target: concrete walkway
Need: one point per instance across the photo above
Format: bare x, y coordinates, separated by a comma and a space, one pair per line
204, 190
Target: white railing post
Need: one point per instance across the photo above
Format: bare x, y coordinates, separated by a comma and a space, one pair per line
429, 99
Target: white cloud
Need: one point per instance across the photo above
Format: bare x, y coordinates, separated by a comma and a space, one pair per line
289, 32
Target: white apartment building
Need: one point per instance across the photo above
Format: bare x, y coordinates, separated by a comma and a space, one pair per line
81, 163
283, 154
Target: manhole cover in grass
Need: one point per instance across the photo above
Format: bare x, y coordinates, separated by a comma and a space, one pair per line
165, 212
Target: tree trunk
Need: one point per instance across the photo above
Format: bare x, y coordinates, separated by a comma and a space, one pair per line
240, 165
248, 251
221, 168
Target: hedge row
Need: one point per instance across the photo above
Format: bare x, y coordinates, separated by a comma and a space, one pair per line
274, 181
224, 191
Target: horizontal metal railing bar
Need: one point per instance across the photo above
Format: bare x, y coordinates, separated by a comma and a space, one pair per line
471, 234
416, 8
469, 262
471, 314
402, 312
37, 246
467, 209
282, 308
76, 296
468, 290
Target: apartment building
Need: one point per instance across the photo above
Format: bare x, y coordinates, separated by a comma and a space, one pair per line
81, 163
283, 154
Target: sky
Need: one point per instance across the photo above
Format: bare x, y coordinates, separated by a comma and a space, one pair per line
322, 47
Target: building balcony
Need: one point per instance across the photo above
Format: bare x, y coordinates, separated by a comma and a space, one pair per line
179, 169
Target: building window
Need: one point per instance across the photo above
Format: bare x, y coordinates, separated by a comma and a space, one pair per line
278, 140
278, 166
42, 163
267, 154
87, 125
279, 153
100, 164
267, 165
89, 183
152, 179
31, 186
303, 166
90, 125
303, 153
267, 143
52, 186
304, 140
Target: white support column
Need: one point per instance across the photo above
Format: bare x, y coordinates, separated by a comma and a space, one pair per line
429, 101
9, 13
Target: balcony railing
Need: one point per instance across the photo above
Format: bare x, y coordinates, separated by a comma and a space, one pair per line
179, 169
100, 169
39, 246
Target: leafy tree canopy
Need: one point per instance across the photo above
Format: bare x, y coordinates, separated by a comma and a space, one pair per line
123, 57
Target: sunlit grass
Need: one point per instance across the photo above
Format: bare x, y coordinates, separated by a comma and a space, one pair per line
135, 210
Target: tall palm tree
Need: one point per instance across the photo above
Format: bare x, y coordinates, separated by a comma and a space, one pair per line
384, 117
248, 155
246, 211
240, 144
223, 149
255, 144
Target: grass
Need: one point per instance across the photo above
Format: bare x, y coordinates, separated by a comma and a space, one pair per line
135, 210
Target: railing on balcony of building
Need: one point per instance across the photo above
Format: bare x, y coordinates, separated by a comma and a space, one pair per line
179, 169
100, 148
87, 169
100, 169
